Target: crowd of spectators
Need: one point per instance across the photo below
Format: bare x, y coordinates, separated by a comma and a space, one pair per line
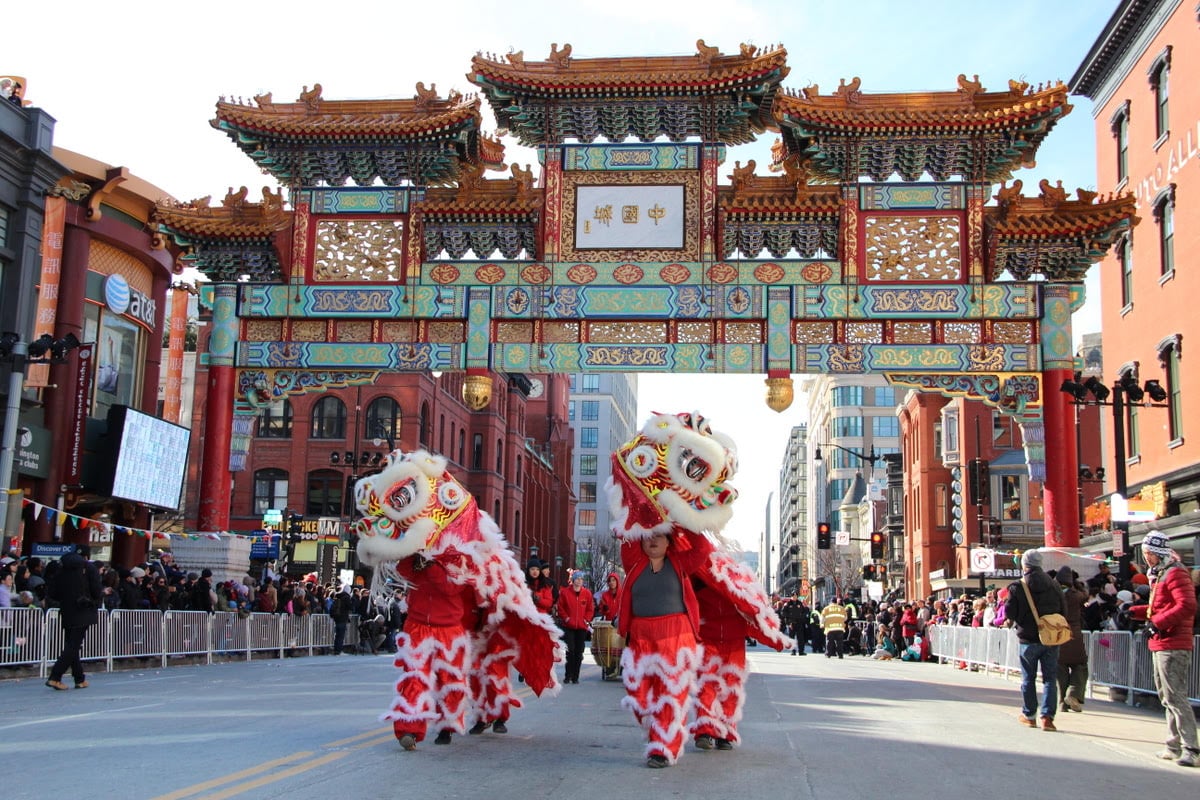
158, 584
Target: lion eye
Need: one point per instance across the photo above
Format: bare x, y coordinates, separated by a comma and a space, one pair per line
402, 494
692, 465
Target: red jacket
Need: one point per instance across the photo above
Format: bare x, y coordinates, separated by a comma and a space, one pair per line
606, 601
575, 609
1172, 609
688, 554
543, 595
719, 618
433, 599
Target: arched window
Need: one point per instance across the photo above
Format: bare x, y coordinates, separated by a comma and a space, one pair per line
1120, 130
518, 470
383, 419
270, 491
275, 421
477, 451
426, 423
1125, 255
1160, 83
500, 456
324, 494
1164, 215
441, 433
329, 419
462, 444
1168, 354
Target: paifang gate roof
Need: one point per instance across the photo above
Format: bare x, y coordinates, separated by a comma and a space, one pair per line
970, 132
717, 97
425, 140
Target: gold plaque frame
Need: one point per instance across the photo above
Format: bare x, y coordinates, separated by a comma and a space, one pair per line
690, 180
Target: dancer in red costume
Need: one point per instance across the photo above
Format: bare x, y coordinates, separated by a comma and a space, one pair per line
668, 488
421, 528
721, 678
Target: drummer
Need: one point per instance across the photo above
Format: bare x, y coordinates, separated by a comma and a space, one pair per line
608, 598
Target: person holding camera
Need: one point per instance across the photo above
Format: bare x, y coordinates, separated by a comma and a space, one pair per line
77, 589
1169, 628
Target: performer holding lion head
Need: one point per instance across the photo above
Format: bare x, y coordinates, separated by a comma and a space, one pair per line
669, 498
470, 613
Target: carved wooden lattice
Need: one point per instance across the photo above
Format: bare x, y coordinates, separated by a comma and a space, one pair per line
925, 248
358, 250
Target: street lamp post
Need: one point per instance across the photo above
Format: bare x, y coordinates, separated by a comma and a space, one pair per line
1125, 392
43, 350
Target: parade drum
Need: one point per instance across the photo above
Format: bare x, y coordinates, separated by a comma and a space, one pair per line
607, 645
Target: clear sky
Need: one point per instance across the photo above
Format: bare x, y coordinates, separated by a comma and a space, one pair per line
134, 83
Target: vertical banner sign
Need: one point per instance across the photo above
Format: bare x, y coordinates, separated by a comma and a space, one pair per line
173, 392
53, 225
78, 414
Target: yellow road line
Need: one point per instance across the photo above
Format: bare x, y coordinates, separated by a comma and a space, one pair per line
383, 739
287, 773
366, 735
200, 787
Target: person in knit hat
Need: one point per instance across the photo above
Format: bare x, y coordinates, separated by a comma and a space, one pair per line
576, 607
1169, 626
1035, 656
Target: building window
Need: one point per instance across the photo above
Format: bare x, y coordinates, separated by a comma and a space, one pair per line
589, 438
941, 505
587, 492
939, 443
329, 419
571, 411
885, 396
587, 517
1133, 446
425, 423
1010, 496
847, 426
462, 441
1120, 129
477, 451
591, 383
1164, 215
885, 426
1160, 82
275, 421
1169, 355
591, 410
518, 471
383, 419
1125, 254
270, 491
847, 396
587, 465
500, 456
324, 497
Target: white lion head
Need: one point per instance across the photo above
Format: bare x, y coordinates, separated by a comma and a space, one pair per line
673, 473
406, 506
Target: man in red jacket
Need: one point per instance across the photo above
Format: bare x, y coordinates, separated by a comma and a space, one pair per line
1169, 625
575, 610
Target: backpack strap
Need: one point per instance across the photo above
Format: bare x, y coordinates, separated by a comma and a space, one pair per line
1037, 619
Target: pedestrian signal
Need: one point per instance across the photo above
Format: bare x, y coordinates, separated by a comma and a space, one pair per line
877, 545
823, 536
868, 572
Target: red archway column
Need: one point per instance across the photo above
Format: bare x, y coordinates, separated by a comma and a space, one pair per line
1060, 501
216, 480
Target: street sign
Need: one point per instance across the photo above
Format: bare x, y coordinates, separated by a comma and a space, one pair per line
983, 559
842, 538
272, 516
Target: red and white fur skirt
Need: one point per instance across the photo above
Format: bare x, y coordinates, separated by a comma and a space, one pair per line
659, 670
433, 685
720, 689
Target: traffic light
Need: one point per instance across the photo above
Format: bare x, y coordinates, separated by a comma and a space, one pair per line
980, 482
877, 545
294, 521
868, 572
823, 536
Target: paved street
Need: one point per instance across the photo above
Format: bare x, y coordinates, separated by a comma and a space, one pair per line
814, 728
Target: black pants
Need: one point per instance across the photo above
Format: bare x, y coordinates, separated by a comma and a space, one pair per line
575, 639
69, 660
833, 643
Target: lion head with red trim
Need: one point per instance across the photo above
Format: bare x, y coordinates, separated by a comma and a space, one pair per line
413, 504
673, 473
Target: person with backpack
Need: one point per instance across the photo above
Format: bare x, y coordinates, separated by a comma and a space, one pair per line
77, 591
1035, 656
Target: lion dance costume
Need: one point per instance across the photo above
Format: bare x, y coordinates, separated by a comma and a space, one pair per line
671, 479
470, 614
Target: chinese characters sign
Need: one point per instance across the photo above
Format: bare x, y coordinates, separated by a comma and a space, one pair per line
629, 217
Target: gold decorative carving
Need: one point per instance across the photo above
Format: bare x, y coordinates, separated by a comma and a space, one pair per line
694, 333
353, 331
962, 333
969, 88
264, 330
1052, 196
477, 391
849, 92
627, 332
743, 333
814, 333
560, 332
310, 98
912, 333
358, 250
705, 53
445, 331
399, 332
691, 211
70, 189
308, 330
780, 393
514, 332
742, 177
922, 249
1012, 333
864, 332
559, 58
235, 200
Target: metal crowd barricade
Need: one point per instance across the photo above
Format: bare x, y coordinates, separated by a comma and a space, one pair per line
22, 636
135, 634
230, 634
185, 633
266, 633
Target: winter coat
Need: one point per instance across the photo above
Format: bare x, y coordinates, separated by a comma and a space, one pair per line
575, 609
1047, 595
78, 578
1172, 609
1073, 652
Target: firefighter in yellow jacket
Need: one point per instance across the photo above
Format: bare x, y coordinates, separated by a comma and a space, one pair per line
833, 620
